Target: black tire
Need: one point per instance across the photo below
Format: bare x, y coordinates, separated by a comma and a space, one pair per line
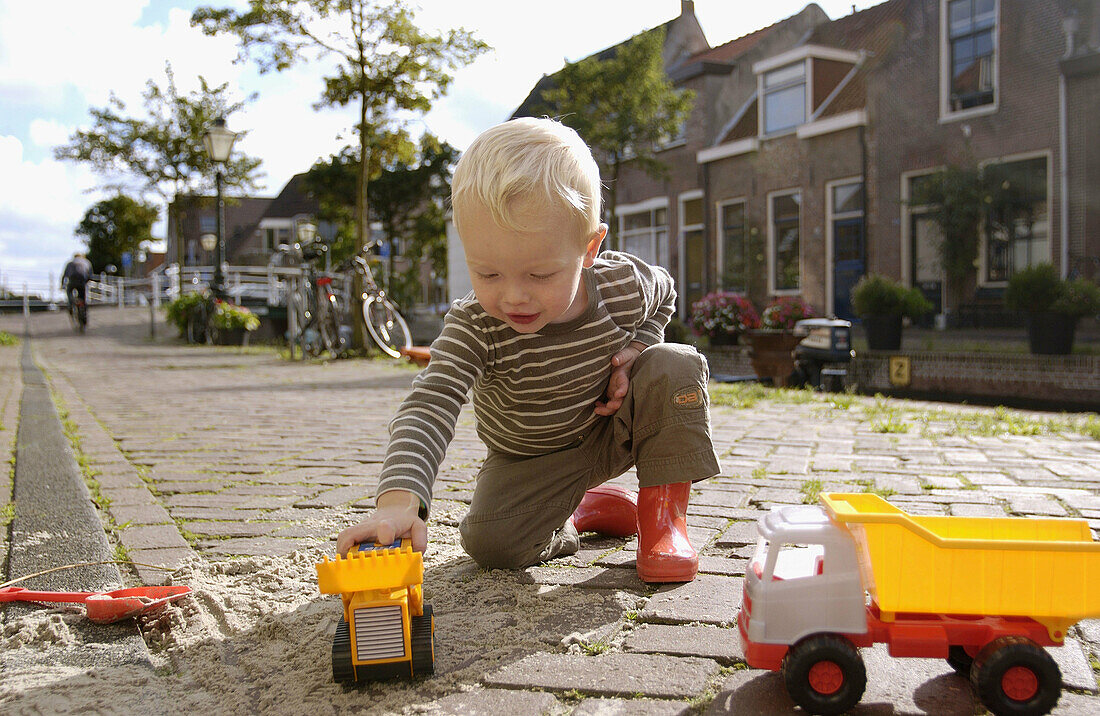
960, 661
343, 672
329, 329
1014, 675
824, 674
196, 326
422, 637
386, 325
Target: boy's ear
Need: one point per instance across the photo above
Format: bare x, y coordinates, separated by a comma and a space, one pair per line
593, 247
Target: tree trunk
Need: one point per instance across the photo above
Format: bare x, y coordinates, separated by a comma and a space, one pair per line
612, 202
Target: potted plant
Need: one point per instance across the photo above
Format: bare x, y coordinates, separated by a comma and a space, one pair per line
232, 323
179, 310
882, 303
1052, 305
722, 316
773, 344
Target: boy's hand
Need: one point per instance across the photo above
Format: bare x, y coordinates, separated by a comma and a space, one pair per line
395, 515
620, 378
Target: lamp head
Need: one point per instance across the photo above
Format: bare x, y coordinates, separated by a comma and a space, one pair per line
218, 141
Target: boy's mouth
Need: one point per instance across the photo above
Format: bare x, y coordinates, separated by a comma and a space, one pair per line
522, 318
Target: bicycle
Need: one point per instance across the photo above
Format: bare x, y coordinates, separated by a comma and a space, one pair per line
385, 324
78, 310
313, 307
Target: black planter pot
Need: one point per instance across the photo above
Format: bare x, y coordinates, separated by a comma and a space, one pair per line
1051, 333
883, 332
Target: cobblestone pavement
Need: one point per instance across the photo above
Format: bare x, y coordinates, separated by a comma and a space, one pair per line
226, 452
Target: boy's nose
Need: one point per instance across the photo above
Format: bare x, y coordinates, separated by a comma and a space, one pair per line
515, 295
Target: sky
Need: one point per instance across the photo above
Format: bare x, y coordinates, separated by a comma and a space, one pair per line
59, 59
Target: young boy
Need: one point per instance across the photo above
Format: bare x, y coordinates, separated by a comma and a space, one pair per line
572, 385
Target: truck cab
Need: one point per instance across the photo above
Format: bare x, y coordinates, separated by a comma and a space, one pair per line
801, 558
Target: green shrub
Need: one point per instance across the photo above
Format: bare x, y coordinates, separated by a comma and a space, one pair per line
1038, 289
876, 295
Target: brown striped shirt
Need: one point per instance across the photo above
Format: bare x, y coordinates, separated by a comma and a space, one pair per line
533, 393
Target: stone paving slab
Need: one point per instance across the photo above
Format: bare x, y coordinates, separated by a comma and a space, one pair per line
493, 702
710, 599
722, 645
609, 674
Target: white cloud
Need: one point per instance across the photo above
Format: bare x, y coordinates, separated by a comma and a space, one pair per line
49, 133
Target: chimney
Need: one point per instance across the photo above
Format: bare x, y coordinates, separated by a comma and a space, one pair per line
687, 7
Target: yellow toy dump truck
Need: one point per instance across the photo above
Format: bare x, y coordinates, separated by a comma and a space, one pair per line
387, 630
984, 593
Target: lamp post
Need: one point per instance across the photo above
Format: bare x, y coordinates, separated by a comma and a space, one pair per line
218, 141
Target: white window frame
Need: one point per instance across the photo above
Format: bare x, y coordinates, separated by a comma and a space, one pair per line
762, 93
720, 239
771, 197
649, 205
983, 249
946, 114
830, 216
681, 243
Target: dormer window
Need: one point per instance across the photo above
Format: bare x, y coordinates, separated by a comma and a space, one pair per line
784, 98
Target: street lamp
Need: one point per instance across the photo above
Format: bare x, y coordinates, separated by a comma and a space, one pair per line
218, 141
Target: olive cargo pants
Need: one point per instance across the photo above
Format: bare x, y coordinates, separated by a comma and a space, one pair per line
520, 506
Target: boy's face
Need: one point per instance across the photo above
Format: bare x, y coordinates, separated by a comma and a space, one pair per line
528, 278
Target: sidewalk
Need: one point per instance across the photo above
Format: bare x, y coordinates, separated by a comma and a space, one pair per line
239, 467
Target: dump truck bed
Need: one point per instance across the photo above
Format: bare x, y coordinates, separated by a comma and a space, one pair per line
1046, 569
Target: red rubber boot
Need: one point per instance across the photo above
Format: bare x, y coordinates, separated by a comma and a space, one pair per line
607, 510
664, 552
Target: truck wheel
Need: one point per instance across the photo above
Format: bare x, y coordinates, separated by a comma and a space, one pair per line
824, 674
342, 670
959, 660
422, 636
1014, 675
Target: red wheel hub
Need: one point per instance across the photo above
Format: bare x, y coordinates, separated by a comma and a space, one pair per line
826, 677
1019, 683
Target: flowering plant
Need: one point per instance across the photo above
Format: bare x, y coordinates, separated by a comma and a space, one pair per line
723, 312
230, 316
785, 311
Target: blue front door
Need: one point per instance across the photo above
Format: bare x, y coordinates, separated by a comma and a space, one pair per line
848, 264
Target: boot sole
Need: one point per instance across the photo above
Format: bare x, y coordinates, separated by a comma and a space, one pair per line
669, 575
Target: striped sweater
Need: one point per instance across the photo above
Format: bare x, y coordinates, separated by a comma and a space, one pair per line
532, 393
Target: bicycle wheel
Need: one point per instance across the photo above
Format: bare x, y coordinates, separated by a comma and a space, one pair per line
82, 316
386, 325
196, 324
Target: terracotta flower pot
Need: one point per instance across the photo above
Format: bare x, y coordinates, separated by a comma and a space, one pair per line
772, 354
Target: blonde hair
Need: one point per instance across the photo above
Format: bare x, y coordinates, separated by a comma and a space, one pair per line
527, 163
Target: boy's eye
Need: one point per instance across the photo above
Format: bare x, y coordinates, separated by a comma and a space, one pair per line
542, 276
486, 275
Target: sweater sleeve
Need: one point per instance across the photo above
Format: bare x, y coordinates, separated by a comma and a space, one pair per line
658, 295
425, 421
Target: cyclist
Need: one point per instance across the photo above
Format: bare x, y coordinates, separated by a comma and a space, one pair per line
74, 280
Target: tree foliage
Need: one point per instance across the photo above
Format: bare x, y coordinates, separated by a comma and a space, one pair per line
161, 149
116, 226
407, 197
623, 105
385, 63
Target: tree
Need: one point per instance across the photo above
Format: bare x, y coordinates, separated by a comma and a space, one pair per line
116, 226
385, 62
623, 105
163, 149
407, 198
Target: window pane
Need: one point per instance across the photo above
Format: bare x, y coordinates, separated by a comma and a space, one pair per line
662, 248
784, 108
786, 241
207, 224
637, 221
785, 75
641, 245
1020, 237
985, 13
660, 217
734, 251
960, 16
848, 198
693, 212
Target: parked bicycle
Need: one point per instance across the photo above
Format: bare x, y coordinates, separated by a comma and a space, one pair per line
385, 324
313, 306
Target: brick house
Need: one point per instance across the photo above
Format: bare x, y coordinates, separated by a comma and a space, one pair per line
809, 136
191, 215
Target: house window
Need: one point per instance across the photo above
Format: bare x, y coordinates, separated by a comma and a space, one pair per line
645, 234
784, 239
785, 98
269, 240
207, 224
693, 250
1018, 227
734, 247
971, 29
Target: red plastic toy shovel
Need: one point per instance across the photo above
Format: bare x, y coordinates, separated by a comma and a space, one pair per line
104, 607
